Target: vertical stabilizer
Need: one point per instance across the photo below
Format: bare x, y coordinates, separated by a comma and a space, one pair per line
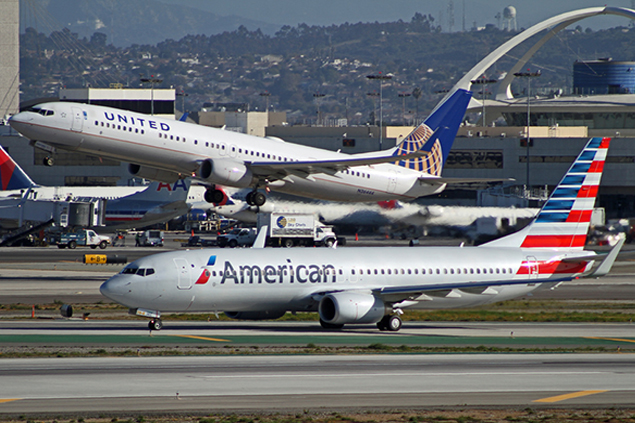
444, 123
563, 221
11, 174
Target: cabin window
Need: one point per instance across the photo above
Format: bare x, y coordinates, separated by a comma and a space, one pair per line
451, 271
438, 271
478, 271
136, 130
382, 271
352, 271
96, 123
119, 127
375, 271
410, 271
195, 141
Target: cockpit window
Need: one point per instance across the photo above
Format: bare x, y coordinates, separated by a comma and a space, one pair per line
46, 112
131, 270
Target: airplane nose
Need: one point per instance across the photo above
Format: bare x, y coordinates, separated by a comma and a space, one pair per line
20, 120
115, 288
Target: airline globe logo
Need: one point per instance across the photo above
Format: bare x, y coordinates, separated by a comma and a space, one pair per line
281, 222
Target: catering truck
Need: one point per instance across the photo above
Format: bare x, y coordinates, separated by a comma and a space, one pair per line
289, 229
83, 237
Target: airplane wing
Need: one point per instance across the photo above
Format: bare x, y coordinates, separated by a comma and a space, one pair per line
278, 170
440, 181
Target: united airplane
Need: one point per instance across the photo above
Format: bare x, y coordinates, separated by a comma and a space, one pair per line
166, 150
375, 285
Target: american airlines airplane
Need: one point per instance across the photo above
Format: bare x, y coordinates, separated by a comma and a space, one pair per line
126, 207
375, 284
166, 150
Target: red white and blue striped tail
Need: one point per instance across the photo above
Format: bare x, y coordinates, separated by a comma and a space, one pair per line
563, 221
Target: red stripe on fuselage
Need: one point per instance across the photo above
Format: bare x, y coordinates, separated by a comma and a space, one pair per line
552, 267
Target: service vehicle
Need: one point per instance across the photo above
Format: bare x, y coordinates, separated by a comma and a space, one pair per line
84, 238
237, 237
151, 238
289, 229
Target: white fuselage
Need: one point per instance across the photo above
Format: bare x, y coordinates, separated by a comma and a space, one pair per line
211, 280
180, 147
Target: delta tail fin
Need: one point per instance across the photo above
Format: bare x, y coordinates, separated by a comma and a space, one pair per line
563, 221
11, 174
435, 135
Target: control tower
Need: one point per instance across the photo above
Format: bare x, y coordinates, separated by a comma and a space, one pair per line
9, 57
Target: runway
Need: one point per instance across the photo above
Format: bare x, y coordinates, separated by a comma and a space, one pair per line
296, 383
304, 380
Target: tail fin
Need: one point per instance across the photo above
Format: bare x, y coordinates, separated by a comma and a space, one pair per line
11, 174
563, 221
444, 123
161, 192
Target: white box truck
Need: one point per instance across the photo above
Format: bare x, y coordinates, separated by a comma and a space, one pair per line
289, 229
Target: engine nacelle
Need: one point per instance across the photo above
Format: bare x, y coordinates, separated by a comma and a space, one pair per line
225, 172
153, 173
351, 307
255, 315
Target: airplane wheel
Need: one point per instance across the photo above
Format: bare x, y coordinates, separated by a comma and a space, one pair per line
155, 324
394, 323
215, 196
249, 198
258, 199
330, 325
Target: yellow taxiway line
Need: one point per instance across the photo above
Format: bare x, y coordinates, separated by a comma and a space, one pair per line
9, 399
204, 338
578, 394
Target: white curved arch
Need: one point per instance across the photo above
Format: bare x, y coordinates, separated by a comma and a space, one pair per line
557, 23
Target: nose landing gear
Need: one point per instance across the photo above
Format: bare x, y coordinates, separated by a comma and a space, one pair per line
155, 324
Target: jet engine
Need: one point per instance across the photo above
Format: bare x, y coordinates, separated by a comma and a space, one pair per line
225, 172
153, 173
351, 307
255, 315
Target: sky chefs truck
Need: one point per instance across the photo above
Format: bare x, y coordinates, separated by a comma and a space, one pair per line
289, 229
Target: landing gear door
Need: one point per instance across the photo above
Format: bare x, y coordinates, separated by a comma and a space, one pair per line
184, 281
532, 267
78, 120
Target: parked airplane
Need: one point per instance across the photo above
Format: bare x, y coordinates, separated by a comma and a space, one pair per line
373, 285
127, 207
166, 150
359, 215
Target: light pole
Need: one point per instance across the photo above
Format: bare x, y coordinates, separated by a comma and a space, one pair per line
416, 93
483, 82
528, 75
381, 109
374, 95
182, 94
152, 80
266, 95
403, 96
317, 96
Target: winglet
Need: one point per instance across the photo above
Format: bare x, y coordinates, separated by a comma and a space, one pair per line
261, 238
607, 263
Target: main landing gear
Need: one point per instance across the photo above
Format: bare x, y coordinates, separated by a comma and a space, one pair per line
155, 324
390, 323
214, 195
255, 198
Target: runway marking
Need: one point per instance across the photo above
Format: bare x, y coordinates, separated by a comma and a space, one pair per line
2, 400
204, 338
611, 339
578, 394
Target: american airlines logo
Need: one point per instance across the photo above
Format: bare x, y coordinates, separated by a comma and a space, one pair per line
142, 123
284, 273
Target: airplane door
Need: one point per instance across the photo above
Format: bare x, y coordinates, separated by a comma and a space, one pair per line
532, 267
222, 149
233, 151
392, 182
184, 280
78, 120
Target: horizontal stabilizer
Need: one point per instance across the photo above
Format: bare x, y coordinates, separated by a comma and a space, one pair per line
607, 263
